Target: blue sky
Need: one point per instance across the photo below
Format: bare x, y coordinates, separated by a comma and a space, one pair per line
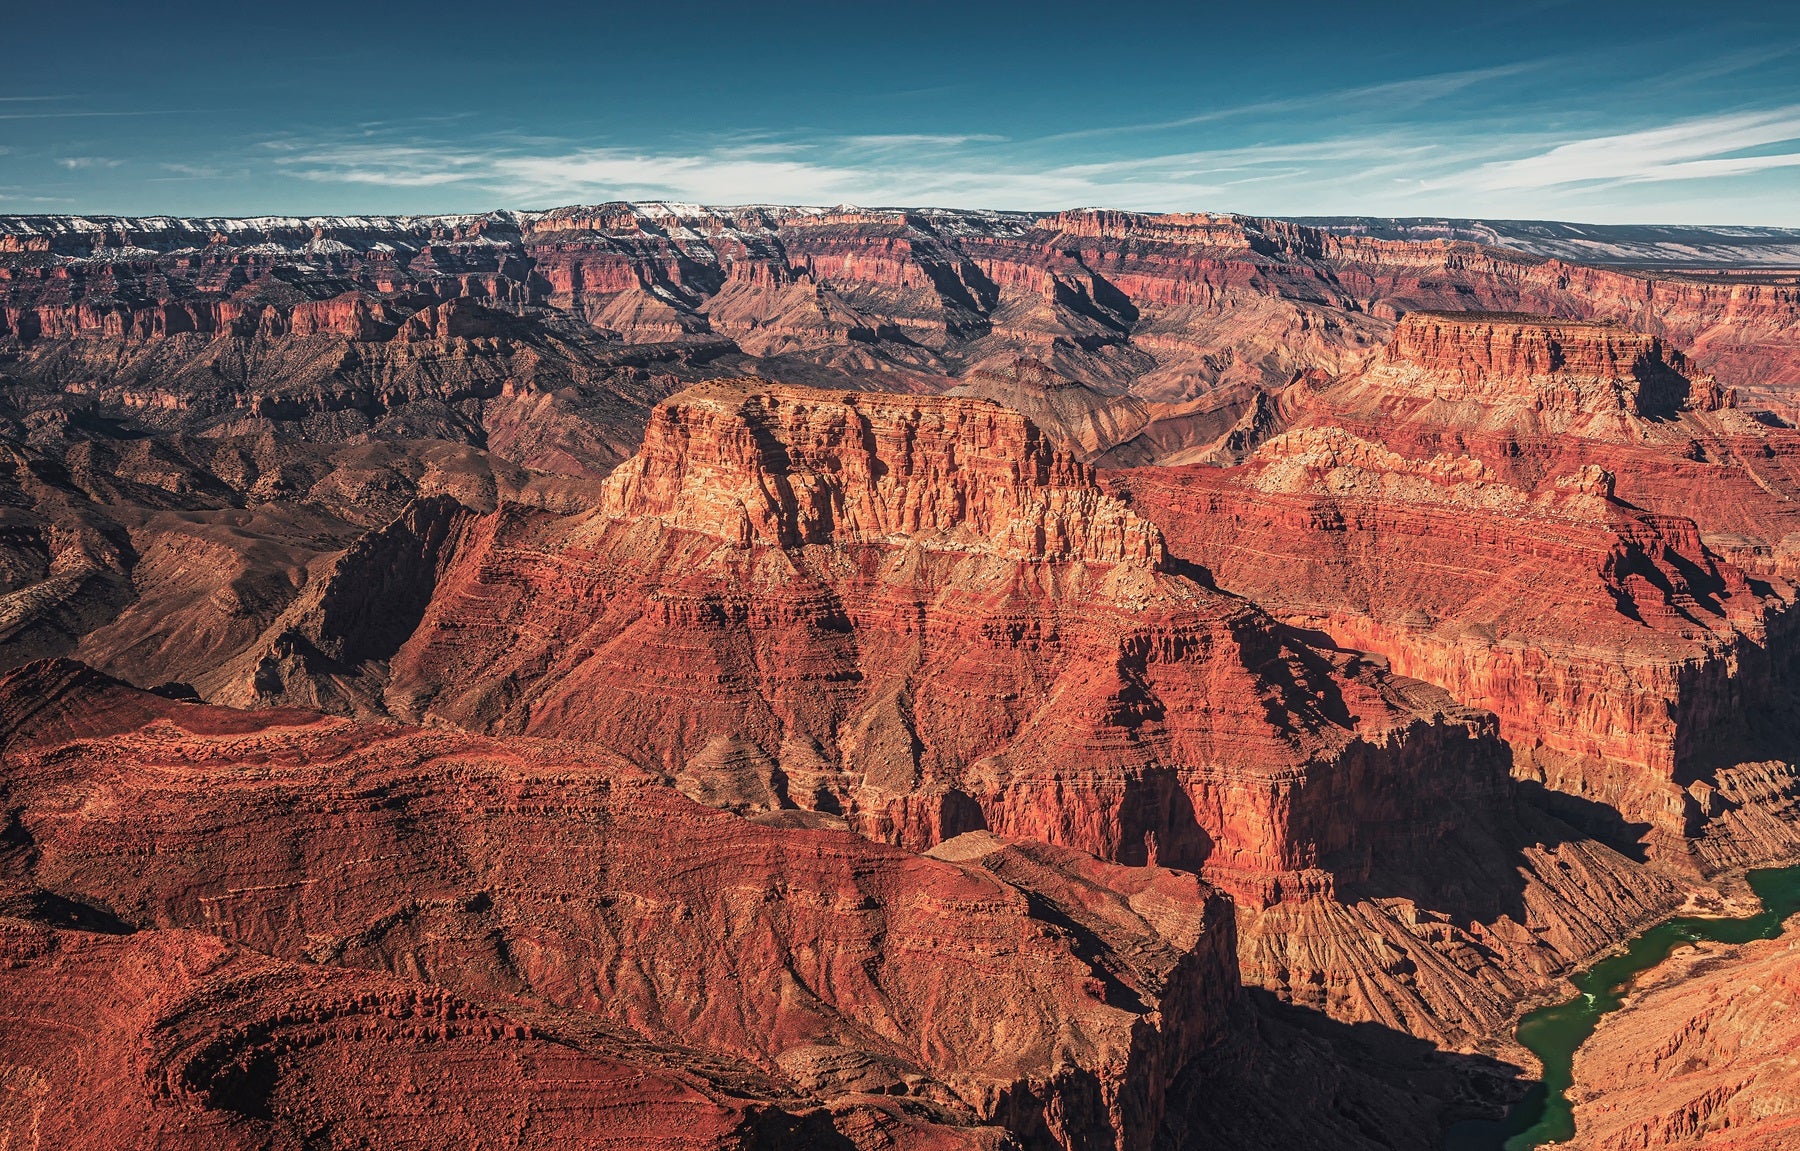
1599, 111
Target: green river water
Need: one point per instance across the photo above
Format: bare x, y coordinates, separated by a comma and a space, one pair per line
1545, 1115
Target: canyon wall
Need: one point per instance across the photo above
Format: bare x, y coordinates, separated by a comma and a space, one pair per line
913, 617
884, 756
1488, 506
362, 317
518, 899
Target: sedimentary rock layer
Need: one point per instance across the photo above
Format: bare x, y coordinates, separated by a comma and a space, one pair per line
361, 317
913, 615
544, 901
1489, 505
180, 1039
671, 647
915, 612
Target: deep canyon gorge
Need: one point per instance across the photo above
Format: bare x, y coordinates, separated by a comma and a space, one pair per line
645, 675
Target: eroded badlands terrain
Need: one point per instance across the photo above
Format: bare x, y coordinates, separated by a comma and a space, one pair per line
649, 675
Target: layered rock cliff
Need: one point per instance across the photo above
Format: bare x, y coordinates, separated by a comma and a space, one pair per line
533, 911
913, 615
1584, 379
362, 317
789, 467
909, 597
180, 1039
1489, 506
1486, 606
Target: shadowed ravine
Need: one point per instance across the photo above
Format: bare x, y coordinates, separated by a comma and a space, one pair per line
1545, 1115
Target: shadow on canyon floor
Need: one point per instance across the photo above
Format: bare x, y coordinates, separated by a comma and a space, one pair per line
1293, 1078
1586, 817
1477, 868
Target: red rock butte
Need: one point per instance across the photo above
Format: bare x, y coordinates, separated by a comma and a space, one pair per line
755, 463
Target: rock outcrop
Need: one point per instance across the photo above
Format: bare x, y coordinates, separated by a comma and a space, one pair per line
367, 316
743, 763
893, 599
1703, 1055
1586, 379
189, 563
181, 1039
915, 616
1488, 506
788, 467
1114, 430
532, 909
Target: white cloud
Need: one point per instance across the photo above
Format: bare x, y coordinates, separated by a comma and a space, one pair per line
79, 163
1694, 149
972, 170
1385, 97
714, 177
15, 195
1402, 170
392, 166
921, 140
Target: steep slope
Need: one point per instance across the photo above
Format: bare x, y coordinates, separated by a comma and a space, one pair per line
458, 323
1703, 1056
1107, 429
181, 561
182, 1040
391, 468
911, 592
916, 616
1217, 298
535, 901
1643, 245
1526, 512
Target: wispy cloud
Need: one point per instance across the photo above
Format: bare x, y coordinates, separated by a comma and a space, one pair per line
1494, 141
842, 171
717, 176
186, 173
87, 115
1693, 149
1395, 170
921, 140
16, 195
1388, 97
1729, 64
385, 165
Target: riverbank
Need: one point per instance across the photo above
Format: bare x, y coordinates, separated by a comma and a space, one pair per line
1706, 1049
1553, 1033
